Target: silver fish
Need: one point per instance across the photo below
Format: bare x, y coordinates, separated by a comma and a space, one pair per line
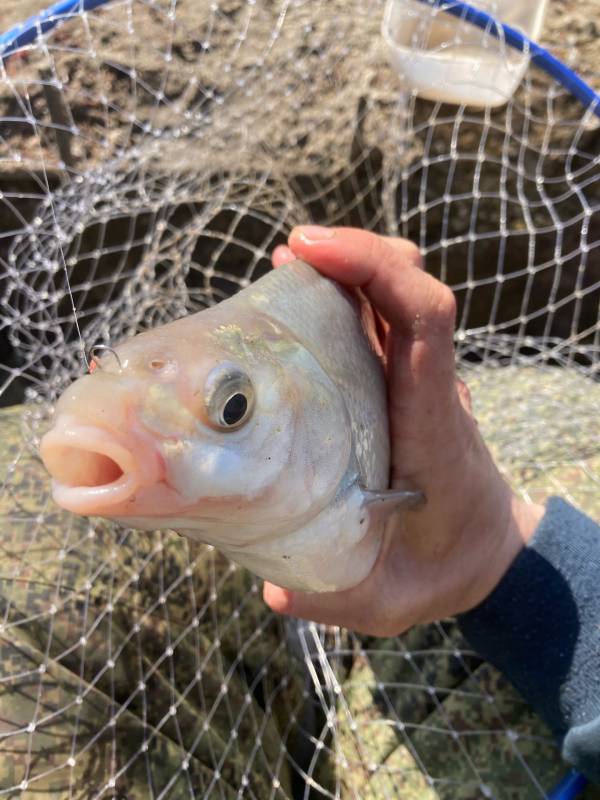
258, 426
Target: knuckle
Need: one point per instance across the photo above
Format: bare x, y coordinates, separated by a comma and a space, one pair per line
446, 305
405, 250
413, 253
377, 249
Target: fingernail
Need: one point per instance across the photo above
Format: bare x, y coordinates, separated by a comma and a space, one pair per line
313, 233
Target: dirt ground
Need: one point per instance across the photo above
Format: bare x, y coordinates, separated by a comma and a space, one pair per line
329, 134
570, 25
15, 11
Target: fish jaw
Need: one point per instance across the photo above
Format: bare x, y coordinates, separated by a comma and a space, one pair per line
96, 471
332, 552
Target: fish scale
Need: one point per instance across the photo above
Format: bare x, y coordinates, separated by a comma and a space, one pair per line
325, 319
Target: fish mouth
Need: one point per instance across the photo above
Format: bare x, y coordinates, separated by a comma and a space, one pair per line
93, 471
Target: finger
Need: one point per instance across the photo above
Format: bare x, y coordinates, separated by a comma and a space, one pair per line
406, 249
278, 599
419, 309
413, 302
282, 255
327, 608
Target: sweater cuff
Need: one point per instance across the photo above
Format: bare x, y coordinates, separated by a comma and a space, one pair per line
541, 627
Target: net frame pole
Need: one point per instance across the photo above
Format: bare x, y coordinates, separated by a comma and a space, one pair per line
26, 32
569, 788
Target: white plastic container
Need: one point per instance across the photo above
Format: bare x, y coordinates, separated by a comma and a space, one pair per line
446, 58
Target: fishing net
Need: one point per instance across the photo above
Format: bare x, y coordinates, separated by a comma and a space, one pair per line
152, 155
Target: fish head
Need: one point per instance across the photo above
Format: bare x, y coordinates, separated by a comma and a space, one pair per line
234, 431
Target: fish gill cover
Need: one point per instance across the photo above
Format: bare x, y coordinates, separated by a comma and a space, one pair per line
152, 154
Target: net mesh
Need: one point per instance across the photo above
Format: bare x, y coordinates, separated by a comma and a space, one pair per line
152, 155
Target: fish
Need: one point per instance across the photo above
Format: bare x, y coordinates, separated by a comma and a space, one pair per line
258, 426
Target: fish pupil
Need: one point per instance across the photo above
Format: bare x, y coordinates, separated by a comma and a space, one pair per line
234, 409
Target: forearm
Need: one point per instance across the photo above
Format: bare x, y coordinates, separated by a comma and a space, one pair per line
541, 627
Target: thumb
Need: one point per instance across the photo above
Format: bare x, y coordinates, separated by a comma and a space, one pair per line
414, 303
355, 609
419, 309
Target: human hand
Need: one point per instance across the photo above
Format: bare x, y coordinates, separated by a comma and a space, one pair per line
449, 555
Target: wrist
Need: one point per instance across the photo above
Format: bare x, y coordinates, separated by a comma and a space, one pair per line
504, 541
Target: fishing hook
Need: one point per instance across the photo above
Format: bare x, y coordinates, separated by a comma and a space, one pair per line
93, 357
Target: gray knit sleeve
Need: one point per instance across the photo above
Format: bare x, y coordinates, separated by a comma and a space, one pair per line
541, 628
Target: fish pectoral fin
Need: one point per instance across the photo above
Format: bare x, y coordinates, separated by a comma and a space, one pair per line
392, 499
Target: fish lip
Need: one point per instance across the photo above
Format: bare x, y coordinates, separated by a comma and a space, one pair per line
85, 501
69, 432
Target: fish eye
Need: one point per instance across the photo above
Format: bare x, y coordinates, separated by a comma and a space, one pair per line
235, 409
228, 397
